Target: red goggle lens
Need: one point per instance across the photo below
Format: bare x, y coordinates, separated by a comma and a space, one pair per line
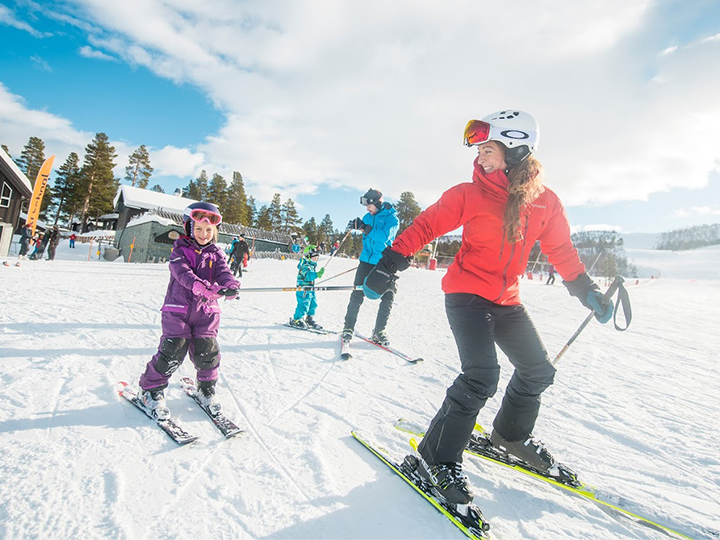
199, 216
476, 132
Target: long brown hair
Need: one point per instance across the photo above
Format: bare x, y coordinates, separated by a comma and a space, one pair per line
526, 185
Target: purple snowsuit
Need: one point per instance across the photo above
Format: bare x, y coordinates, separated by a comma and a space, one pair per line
190, 323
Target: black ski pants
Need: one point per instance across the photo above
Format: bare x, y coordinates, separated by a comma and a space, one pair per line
478, 325
357, 298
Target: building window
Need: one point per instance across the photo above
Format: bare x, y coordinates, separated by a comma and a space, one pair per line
5, 196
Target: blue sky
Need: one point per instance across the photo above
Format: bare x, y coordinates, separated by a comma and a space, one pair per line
319, 101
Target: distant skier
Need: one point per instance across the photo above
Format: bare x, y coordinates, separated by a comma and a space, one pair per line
40, 244
379, 227
551, 276
239, 253
190, 313
53, 242
25, 237
503, 211
306, 301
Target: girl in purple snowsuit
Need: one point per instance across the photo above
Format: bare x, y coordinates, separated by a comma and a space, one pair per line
190, 313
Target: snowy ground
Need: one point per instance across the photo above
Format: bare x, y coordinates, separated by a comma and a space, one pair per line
632, 412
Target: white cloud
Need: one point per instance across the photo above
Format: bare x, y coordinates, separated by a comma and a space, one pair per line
41, 63
377, 93
89, 52
171, 161
697, 211
9, 18
19, 123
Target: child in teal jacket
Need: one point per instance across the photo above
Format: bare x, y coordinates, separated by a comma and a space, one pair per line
306, 303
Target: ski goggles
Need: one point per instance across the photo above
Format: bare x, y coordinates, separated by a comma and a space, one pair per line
367, 200
199, 215
476, 132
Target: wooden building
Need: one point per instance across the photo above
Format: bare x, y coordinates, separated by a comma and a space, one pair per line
14, 189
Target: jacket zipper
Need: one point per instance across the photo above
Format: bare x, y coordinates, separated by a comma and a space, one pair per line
512, 254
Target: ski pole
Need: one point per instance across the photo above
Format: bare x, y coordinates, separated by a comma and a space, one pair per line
617, 283
336, 275
300, 288
338, 249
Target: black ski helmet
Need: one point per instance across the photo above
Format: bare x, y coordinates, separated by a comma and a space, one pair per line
311, 251
372, 196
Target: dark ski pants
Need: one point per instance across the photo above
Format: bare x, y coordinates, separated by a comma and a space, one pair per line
193, 335
357, 298
478, 325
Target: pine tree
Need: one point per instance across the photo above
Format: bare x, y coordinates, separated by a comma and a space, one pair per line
236, 202
311, 229
407, 210
97, 182
65, 189
275, 212
158, 188
326, 229
7, 150
139, 169
217, 192
200, 191
190, 190
264, 220
251, 212
290, 218
32, 158
30, 162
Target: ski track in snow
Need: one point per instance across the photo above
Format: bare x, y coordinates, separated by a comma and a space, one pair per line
629, 411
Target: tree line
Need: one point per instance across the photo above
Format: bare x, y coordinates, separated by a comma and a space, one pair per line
690, 238
83, 191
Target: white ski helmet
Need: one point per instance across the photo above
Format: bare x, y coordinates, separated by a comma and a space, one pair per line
516, 130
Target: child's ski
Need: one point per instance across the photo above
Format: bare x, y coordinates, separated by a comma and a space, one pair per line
169, 426
389, 349
226, 426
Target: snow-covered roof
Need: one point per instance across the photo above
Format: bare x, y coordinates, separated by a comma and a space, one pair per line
145, 218
15, 169
145, 199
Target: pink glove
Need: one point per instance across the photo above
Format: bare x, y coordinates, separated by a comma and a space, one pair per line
205, 290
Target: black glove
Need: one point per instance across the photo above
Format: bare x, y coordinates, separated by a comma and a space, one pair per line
230, 294
357, 224
381, 279
587, 291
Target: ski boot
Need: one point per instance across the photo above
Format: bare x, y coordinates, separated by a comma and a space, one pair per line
347, 334
297, 323
206, 394
154, 400
530, 451
448, 480
310, 322
380, 337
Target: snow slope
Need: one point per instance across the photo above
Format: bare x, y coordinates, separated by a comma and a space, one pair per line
633, 412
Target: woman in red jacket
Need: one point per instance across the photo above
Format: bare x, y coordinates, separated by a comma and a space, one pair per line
503, 211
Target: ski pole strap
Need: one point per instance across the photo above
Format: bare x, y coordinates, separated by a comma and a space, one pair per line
623, 299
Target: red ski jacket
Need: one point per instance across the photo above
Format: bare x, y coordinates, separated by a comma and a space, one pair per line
488, 265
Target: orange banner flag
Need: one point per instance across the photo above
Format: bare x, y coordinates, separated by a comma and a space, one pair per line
38, 192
